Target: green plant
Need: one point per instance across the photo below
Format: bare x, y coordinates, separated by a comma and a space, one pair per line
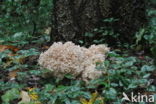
102, 34
23, 24
10, 95
125, 74
146, 37
25, 16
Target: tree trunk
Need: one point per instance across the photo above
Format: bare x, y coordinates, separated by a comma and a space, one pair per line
131, 15
73, 18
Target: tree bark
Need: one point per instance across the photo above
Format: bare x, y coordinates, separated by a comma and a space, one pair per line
73, 18
131, 15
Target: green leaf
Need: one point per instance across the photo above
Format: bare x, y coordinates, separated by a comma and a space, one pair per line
69, 76
10, 95
147, 68
113, 54
87, 34
111, 93
109, 20
81, 41
139, 35
128, 64
132, 86
62, 88
146, 75
48, 87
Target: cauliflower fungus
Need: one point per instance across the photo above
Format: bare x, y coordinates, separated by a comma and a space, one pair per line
69, 58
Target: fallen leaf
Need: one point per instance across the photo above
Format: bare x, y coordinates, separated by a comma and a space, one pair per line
5, 47
83, 101
101, 99
11, 54
7, 63
28, 97
93, 98
9, 60
20, 59
30, 89
91, 101
37, 102
25, 97
48, 30
12, 74
33, 95
45, 47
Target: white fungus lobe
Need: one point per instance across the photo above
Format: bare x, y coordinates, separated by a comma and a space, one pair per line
69, 58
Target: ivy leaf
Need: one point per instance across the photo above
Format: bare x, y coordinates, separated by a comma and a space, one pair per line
111, 93
10, 95
147, 68
48, 87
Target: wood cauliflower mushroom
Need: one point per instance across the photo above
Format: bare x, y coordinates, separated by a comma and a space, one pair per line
69, 58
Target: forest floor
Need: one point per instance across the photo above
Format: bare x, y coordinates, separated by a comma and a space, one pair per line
22, 80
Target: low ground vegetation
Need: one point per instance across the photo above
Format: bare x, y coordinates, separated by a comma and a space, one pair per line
128, 67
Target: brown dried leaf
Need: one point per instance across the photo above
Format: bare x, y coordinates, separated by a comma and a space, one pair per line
12, 75
25, 98
5, 47
45, 47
